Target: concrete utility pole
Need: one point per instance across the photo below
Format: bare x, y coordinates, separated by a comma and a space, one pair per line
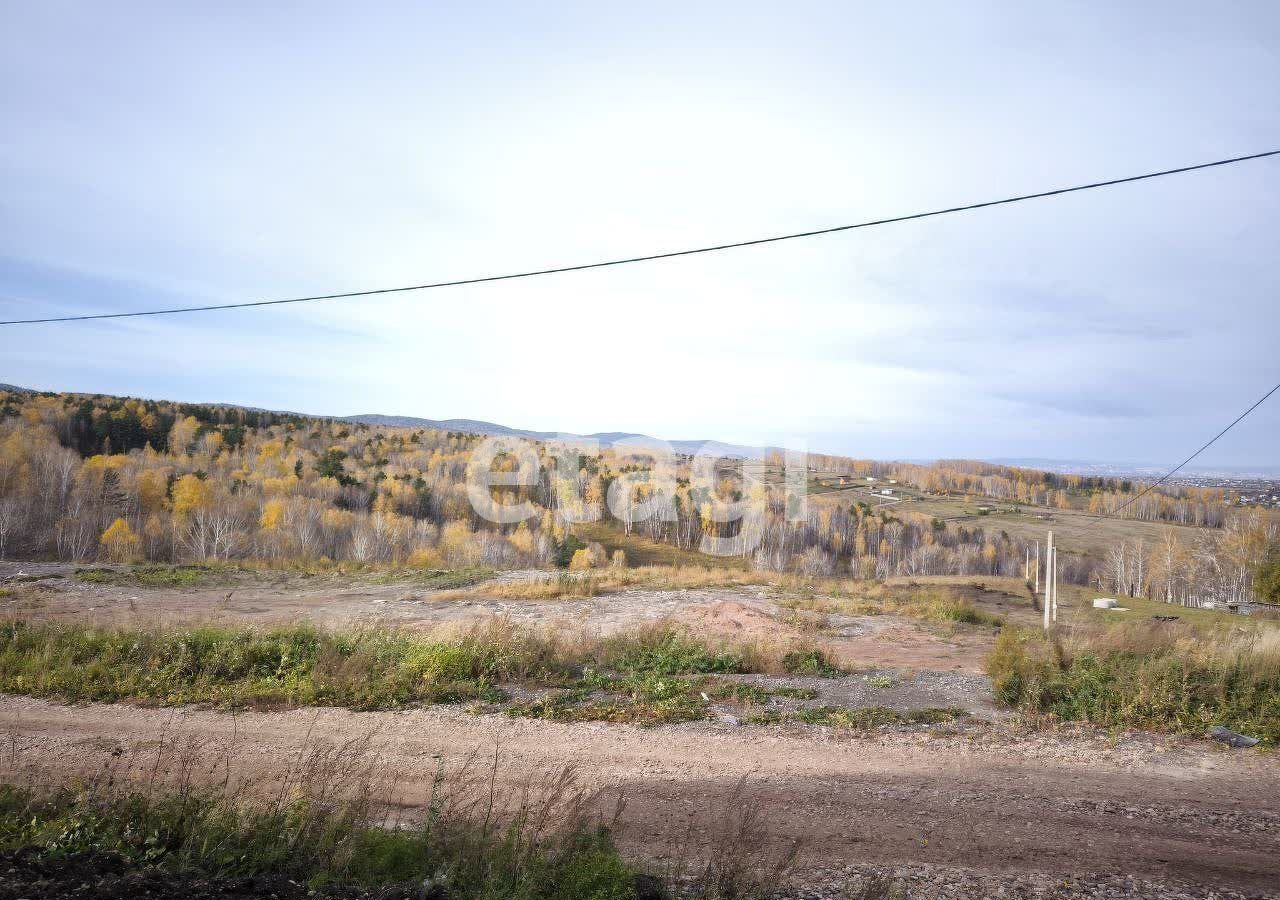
1048, 581
1037, 567
1055, 582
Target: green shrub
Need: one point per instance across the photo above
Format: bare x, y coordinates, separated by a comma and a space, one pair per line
951, 609
812, 662
665, 650
298, 665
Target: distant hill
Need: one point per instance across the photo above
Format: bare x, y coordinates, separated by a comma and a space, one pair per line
1138, 470
476, 426
606, 438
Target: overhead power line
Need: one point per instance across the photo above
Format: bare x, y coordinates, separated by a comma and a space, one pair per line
648, 257
1165, 477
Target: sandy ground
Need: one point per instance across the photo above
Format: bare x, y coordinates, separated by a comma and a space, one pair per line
280, 599
1057, 804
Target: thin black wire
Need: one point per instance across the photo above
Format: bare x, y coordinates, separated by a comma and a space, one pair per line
652, 256
1151, 487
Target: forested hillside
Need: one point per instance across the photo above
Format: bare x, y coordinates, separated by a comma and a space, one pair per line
115, 479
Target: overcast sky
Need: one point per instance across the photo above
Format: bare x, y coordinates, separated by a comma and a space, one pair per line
172, 154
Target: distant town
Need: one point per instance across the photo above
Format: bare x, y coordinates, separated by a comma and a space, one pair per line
1249, 491
1250, 485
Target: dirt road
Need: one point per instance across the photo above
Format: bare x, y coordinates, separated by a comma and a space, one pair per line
1059, 804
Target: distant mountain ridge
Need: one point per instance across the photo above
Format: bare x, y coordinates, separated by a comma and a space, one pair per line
1141, 470
720, 448
605, 438
477, 426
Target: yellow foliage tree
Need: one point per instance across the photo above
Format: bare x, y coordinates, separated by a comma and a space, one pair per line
190, 492
153, 485
426, 558
581, 560
459, 545
118, 542
182, 434
522, 539
272, 515
280, 486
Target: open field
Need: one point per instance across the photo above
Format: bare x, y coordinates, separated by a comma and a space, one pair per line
859, 631
642, 551
894, 755
1076, 531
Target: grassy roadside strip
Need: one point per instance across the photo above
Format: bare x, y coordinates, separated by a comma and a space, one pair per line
646, 676
1154, 676
321, 828
196, 834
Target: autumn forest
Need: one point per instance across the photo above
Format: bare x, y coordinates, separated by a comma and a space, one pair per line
113, 479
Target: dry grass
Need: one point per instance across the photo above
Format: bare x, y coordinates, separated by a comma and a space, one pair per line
1076, 531
334, 817
642, 551
934, 603
330, 816
1156, 675
739, 864
573, 585
1250, 648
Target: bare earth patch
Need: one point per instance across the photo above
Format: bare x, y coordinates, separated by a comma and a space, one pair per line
1043, 806
745, 613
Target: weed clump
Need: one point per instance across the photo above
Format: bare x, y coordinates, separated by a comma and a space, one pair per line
666, 650
867, 718
324, 825
812, 661
1160, 677
155, 575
